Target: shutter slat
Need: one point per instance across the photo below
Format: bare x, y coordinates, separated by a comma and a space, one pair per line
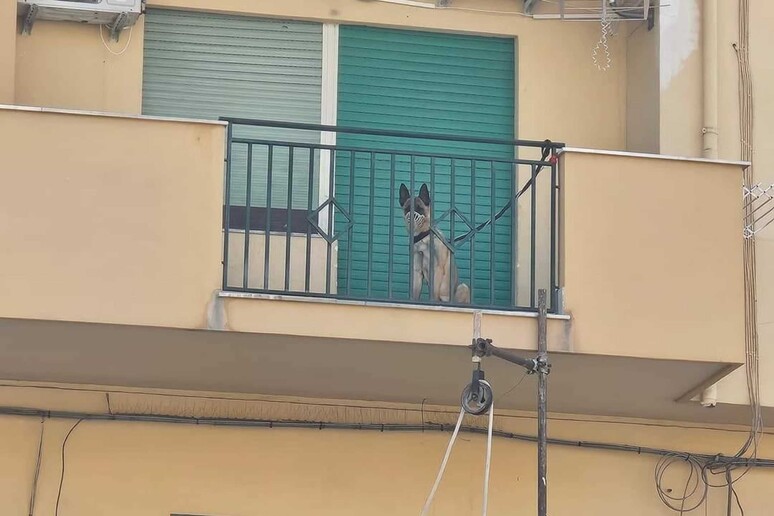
426, 82
201, 65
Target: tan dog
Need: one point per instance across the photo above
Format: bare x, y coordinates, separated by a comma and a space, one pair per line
444, 271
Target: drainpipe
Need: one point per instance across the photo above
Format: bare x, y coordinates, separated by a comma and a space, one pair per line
709, 132
710, 79
709, 397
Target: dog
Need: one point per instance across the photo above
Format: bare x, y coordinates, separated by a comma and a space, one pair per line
444, 271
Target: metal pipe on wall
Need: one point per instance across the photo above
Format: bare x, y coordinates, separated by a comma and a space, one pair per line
710, 79
710, 113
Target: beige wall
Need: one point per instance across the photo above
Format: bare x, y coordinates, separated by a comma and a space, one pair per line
277, 259
7, 50
761, 45
100, 209
680, 78
158, 469
681, 116
734, 388
98, 219
652, 255
642, 88
66, 65
560, 90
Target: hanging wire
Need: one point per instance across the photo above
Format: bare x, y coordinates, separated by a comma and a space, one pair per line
36, 474
747, 455
107, 47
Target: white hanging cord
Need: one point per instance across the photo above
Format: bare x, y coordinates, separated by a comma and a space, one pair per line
443, 463
126, 47
445, 460
488, 459
603, 63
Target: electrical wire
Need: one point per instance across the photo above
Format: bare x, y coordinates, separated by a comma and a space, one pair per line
695, 464
747, 454
365, 406
738, 503
36, 474
516, 385
62, 476
421, 409
126, 47
380, 427
485, 11
667, 457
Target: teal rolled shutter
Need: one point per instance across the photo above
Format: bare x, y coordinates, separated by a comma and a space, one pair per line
433, 83
202, 65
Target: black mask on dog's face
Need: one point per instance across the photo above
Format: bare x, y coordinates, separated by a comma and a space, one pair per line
421, 214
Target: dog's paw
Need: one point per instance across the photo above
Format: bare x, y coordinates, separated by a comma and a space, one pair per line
462, 294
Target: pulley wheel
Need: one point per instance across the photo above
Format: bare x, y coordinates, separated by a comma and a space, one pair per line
477, 401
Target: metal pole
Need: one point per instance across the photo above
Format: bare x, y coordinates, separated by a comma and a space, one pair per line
542, 404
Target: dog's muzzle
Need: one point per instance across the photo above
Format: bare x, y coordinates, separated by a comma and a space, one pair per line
418, 219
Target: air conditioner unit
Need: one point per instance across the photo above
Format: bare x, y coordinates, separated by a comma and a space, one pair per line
116, 14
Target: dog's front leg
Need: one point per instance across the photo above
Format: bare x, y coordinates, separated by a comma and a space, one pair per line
416, 287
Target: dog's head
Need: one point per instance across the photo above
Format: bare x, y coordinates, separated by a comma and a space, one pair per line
422, 212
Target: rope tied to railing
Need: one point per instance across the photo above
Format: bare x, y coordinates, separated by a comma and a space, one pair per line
547, 148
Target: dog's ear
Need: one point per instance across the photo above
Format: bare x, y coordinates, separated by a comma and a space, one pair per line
404, 194
424, 194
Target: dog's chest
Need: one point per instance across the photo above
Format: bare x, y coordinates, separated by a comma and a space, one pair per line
422, 252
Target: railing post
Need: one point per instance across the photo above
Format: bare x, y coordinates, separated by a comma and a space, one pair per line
267, 242
309, 210
248, 206
554, 239
227, 207
289, 227
533, 238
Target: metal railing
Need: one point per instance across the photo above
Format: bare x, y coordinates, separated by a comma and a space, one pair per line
391, 216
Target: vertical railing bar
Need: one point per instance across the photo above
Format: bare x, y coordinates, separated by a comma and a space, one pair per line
533, 239
411, 229
350, 231
514, 235
267, 246
554, 239
431, 284
310, 193
248, 205
289, 228
371, 195
227, 214
329, 250
390, 251
492, 205
473, 220
452, 212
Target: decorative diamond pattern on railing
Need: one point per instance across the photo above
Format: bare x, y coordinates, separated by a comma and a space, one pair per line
331, 205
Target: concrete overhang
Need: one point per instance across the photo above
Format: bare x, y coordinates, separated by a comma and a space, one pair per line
346, 368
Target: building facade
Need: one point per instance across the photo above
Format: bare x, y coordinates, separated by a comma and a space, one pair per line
208, 299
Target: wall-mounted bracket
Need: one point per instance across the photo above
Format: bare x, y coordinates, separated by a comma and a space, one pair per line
29, 19
117, 26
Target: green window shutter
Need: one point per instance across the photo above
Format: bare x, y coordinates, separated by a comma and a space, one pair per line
424, 82
201, 65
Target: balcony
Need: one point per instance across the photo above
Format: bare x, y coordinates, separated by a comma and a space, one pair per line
113, 272
344, 224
